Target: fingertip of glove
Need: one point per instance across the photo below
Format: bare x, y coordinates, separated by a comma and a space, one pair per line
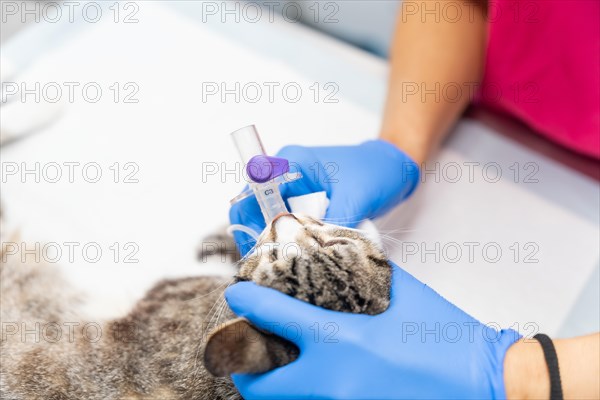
249, 299
239, 292
246, 298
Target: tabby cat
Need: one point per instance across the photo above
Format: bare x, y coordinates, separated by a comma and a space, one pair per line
180, 341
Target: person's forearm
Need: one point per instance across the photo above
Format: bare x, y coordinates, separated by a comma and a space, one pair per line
435, 64
526, 374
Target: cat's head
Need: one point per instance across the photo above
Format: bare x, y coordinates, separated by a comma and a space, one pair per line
327, 265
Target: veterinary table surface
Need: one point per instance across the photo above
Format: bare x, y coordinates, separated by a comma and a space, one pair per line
539, 214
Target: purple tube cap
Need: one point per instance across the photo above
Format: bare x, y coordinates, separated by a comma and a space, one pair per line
264, 168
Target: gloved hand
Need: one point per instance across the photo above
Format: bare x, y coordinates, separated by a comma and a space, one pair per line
361, 182
422, 346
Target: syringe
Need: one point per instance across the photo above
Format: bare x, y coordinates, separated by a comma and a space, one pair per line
265, 173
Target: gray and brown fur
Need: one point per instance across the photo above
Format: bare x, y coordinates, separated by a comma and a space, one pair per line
182, 329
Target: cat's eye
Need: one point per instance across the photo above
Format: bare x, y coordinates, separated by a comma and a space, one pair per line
334, 242
237, 278
315, 221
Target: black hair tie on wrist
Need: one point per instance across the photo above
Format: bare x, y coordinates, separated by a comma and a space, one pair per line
552, 362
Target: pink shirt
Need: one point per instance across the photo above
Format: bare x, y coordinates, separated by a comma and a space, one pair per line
543, 67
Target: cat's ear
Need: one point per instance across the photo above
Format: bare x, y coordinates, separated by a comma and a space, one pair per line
237, 347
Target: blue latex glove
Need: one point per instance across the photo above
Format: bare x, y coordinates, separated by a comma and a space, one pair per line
422, 346
361, 182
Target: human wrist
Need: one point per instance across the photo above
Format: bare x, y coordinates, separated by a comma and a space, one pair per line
415, 146
525, 371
